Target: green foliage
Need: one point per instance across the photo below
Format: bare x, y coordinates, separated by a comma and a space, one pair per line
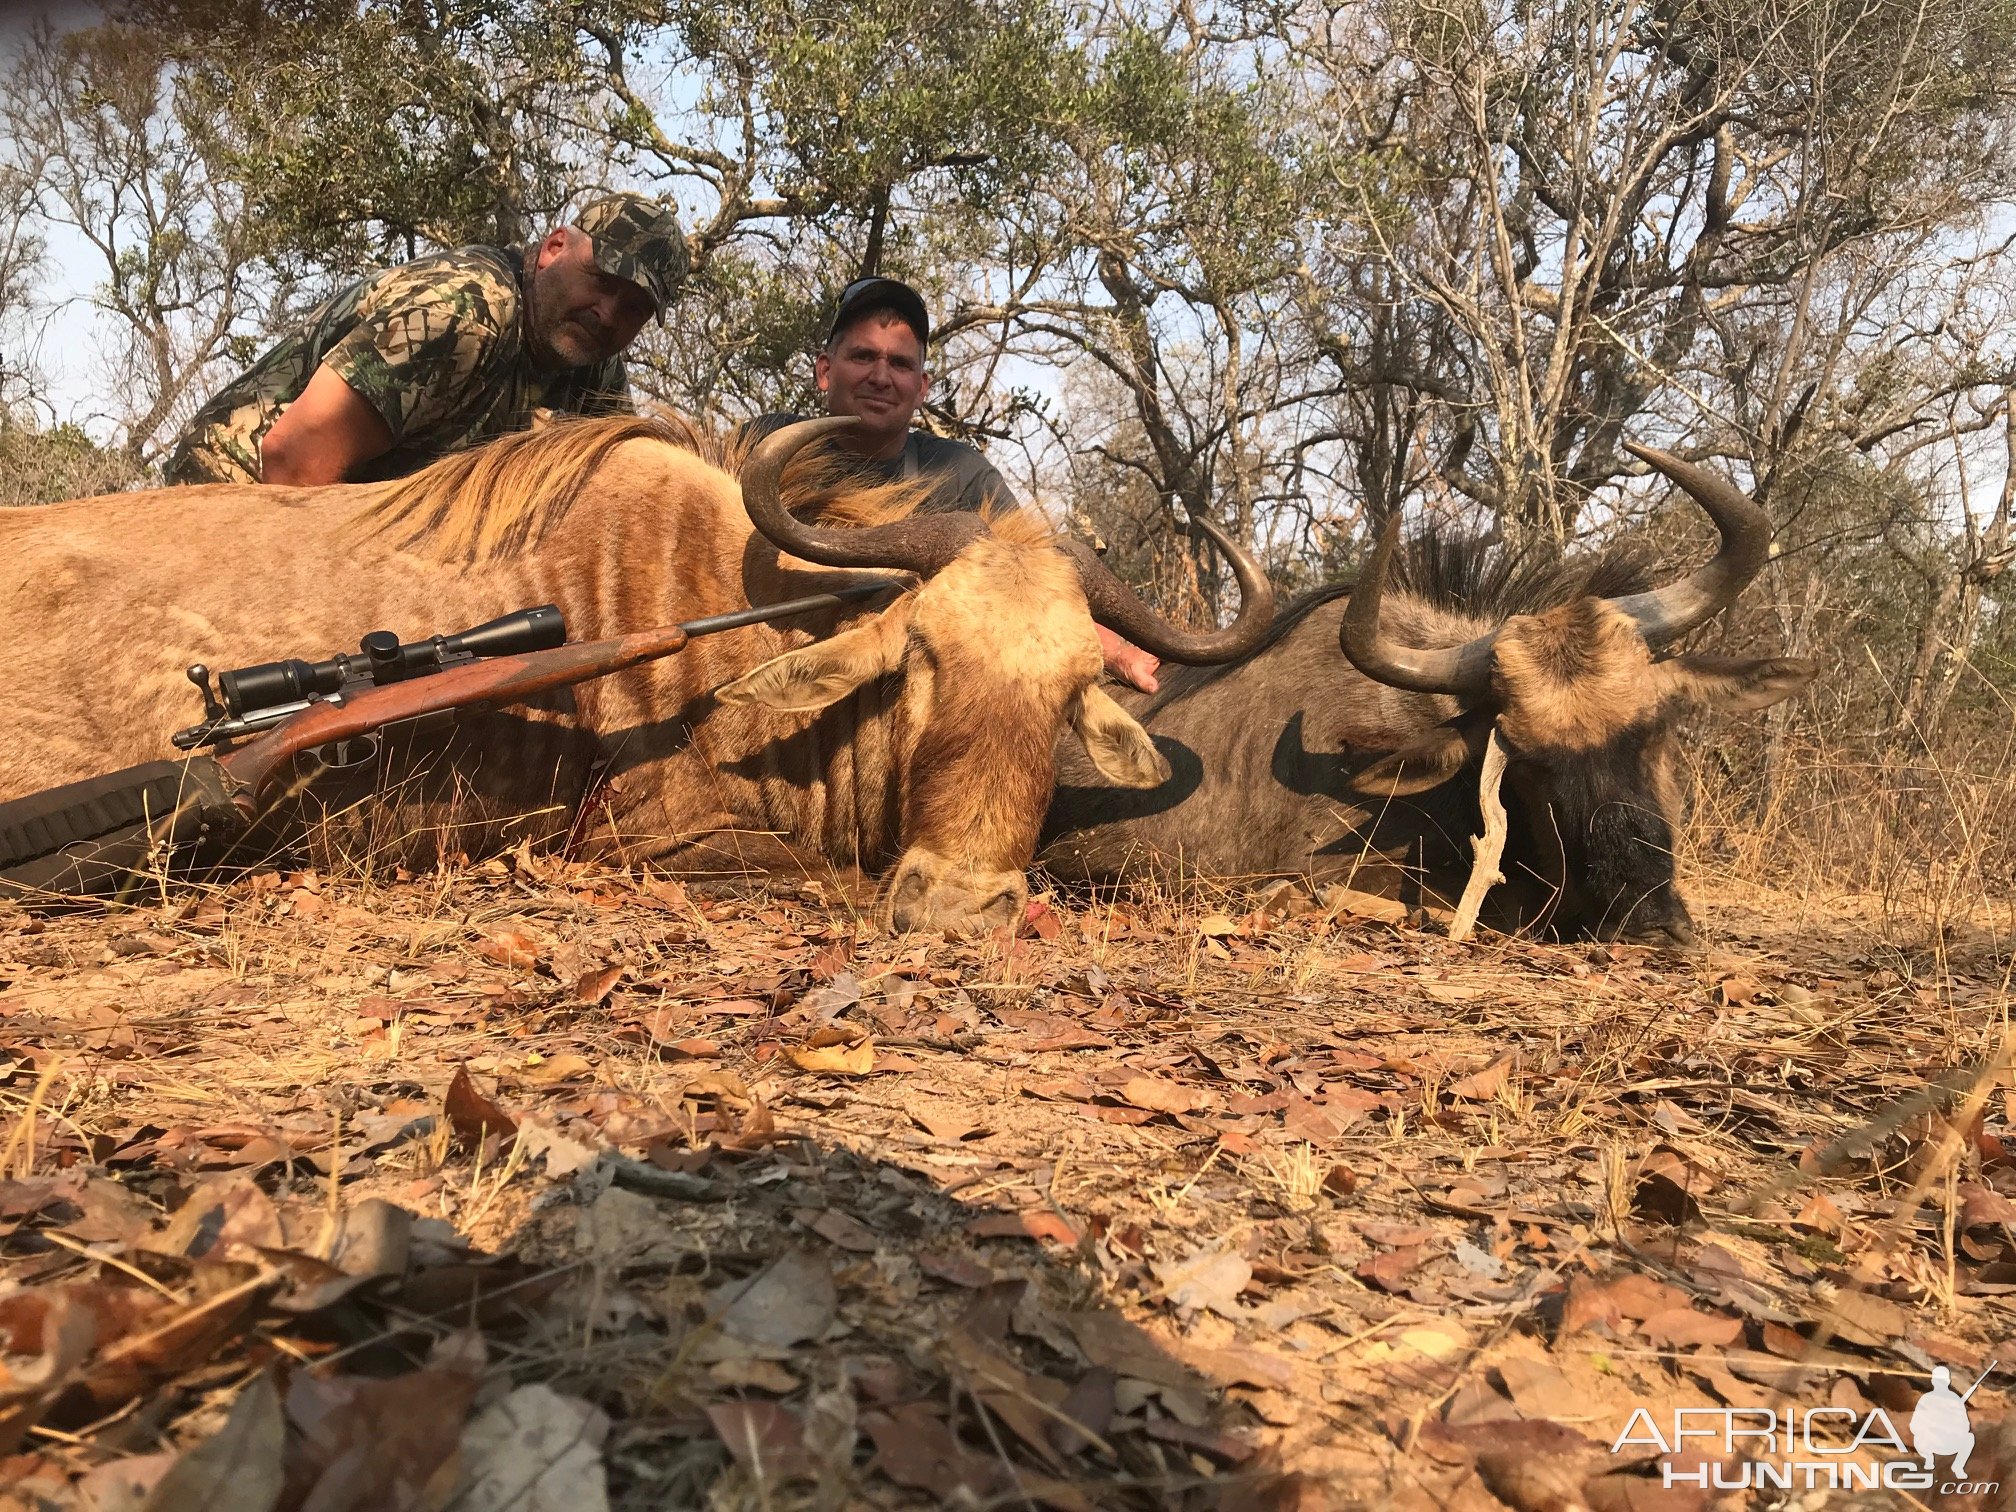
854, 96
367, 133
1204, 155
370, 131
741, 346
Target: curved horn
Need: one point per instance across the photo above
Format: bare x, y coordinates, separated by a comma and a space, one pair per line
921, 543
1463, 670
1114, 605
1746, 546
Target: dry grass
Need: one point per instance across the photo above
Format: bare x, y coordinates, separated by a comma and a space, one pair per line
43, 467
1928, 838
1368, 1118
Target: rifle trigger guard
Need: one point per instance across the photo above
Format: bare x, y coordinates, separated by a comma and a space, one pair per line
341, 755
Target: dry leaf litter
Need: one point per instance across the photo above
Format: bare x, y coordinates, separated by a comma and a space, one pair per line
552, 1188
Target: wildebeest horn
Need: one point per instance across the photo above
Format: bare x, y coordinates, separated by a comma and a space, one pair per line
1464, 669
921, 543
924, 543
1115, 606
1746, 546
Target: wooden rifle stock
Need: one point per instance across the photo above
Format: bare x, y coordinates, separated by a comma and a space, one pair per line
492, 680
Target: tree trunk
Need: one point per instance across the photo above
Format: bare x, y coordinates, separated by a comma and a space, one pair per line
1915, 704
1796, 636
1987, 558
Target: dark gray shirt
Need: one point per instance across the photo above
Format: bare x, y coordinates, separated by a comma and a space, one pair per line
966, 479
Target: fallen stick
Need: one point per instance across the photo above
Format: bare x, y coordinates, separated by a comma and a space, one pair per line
1489, 847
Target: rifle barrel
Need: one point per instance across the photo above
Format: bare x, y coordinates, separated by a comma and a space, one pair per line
1978, 1380
759, 614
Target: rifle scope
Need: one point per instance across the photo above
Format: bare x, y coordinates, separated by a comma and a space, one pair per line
385, 660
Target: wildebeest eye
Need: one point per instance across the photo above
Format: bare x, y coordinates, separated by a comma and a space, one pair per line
1547, 764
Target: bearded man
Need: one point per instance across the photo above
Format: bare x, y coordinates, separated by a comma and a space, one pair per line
434, 355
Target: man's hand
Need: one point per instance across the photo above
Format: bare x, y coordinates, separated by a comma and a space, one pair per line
1128, 662
322, 435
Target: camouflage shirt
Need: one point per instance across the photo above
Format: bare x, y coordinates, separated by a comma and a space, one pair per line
436, 346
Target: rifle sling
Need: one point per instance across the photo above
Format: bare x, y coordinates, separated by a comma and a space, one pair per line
106, 823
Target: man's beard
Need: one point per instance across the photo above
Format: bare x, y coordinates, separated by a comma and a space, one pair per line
555, 337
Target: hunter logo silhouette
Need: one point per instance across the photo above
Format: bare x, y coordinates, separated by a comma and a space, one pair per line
1939, 1423
1834, 1448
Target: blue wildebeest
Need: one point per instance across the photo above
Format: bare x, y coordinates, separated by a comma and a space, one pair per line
1347, 746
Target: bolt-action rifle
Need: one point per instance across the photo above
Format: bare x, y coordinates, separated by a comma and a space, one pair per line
102, 836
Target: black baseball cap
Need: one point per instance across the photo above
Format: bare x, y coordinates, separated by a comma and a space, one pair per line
868, 294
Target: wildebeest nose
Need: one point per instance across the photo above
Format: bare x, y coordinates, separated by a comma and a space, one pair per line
906, 901
1673, 932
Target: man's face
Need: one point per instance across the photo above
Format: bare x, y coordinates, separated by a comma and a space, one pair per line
875, 370
580, 314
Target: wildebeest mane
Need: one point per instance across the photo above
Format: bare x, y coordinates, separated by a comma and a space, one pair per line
1477, 576
1483, 577
495, 499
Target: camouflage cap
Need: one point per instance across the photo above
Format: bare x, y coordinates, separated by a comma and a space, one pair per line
639, 239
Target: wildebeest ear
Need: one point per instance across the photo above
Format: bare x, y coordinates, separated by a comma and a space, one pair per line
826, 671
1120, 749
1735, 686
1428, 762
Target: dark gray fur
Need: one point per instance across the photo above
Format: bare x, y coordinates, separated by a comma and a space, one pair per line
1262, 751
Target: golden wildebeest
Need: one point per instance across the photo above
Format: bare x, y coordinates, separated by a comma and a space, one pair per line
919, 735
1363, 768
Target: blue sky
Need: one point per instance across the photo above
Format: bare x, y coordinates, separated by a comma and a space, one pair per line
69, 346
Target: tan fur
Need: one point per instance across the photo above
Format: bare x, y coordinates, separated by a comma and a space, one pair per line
998, 654
1018, 527
829, 495
624, 526
1120, 749
492, 501
823, 673
1577, 676
1572, 678
1034, 668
